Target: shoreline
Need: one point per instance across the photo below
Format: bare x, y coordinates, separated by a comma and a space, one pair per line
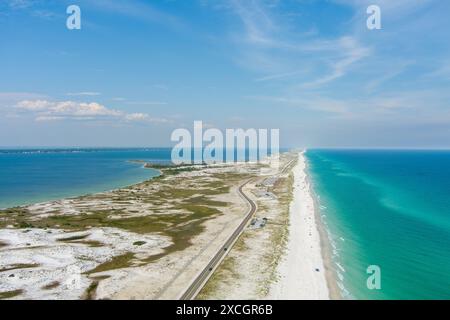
305, 270
86, 194
325, 246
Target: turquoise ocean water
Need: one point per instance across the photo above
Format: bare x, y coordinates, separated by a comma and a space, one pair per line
390, 209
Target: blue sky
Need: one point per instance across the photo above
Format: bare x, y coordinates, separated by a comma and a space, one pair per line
139, 69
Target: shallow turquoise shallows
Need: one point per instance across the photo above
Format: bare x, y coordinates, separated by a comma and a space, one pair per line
390, 209
34, 175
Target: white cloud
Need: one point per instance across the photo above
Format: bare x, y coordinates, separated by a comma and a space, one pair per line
45, 110
34, 105
136, 116
68, 108
143, 117
85, 109
48, 118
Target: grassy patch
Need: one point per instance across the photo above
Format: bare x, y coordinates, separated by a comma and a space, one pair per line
20, 266
118, 262
13, 216
10, 294
74, 238
226, 270
91, 290
80, 240
91, 243
51, 285
279, 235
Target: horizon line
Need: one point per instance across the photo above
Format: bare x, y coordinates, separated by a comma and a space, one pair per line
170, 147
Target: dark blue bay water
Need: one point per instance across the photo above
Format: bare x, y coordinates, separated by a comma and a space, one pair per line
390, 209
34, 175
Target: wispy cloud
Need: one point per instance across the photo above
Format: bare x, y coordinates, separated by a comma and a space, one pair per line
269, 46
84, 93
258, 24
19, 4
160, 87
384, 76
442, 72
340, 72
351, 51
278, 76
313, 103
141, 10
397, 9
402, 106
35, 8
146, 103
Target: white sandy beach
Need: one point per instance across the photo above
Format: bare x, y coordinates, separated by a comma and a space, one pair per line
302, 272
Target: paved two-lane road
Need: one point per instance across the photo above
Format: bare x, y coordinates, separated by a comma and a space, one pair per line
203, 277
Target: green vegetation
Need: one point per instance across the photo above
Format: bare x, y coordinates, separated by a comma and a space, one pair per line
51, 285
20, 266
279, 234
74, 238
13, 216
10, 294
227, 270
81, 240
92, 289
90, 243
117, 262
